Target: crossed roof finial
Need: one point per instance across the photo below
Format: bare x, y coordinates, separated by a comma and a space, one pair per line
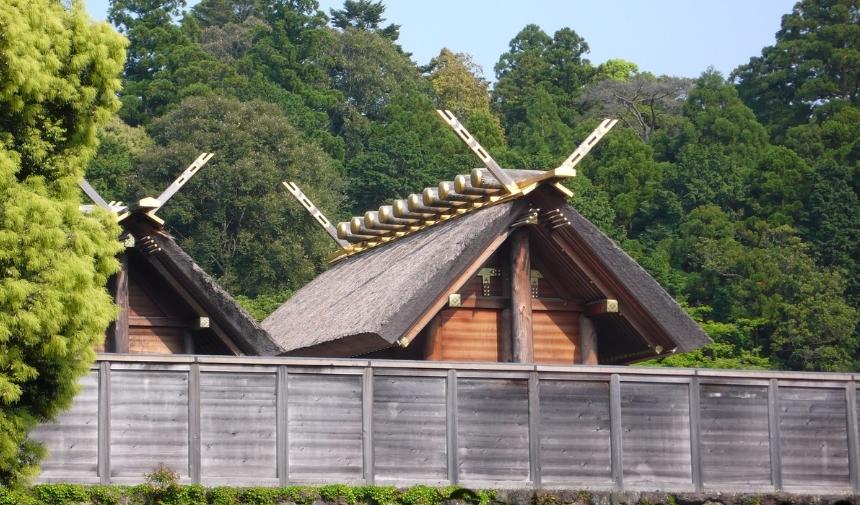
484, 186
147, 205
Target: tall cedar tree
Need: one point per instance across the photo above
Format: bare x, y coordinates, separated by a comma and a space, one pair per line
58, 86
813, 69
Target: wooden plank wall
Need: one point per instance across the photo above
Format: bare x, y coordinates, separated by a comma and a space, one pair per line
273, 421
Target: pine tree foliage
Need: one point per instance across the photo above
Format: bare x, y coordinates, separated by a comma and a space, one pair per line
57, 88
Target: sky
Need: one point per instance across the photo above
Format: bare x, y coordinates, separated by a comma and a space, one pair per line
672, 37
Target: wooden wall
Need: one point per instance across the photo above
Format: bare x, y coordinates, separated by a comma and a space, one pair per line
476, 331
279, 421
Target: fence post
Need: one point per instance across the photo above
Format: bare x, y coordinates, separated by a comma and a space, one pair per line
615, 431
773, 429
194, 423
104, 423
534, 429
851, 397
695, 432
283, 461
367, 423
451, 426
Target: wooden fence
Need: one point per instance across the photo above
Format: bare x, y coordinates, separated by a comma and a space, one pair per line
273, 421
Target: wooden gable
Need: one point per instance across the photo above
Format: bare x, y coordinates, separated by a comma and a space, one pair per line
155, 318
169, 305
474, 327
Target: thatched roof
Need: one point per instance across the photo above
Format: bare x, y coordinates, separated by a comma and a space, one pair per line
370, 300
367, 302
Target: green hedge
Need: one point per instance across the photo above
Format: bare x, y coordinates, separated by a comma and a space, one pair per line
171, 493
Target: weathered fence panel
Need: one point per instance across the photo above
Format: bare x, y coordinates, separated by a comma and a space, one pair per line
735, 443
238, 427
324, 427
148, 422
655, 419
813, 432
244, 421
73, 439
409, 428
493, 429
574, 432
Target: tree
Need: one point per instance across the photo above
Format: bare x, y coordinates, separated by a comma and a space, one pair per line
616, 69
716, 155
643, 103
410, 150
237, 223
830, 220
813, 68
542, 139
369, 70
112, 169
364, 15
163, 63
458, 86
556, 63
57, 88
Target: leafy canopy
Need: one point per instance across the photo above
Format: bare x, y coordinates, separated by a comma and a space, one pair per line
57, 88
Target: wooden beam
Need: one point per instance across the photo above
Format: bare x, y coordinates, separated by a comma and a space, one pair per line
503, 302
120, 335
587, 341
522, 337
161, 321
187, 342
602, 307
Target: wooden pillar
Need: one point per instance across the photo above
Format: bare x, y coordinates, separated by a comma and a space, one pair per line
522, 344
187, 342
433, 345
587, 341
120, 334
506, 355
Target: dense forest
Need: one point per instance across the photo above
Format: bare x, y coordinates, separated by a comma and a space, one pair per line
739, 193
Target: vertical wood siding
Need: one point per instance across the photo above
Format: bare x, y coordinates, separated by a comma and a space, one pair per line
223, 422
469, 335
556, 337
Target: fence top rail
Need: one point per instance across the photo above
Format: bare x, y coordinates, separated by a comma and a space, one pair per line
629, 372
